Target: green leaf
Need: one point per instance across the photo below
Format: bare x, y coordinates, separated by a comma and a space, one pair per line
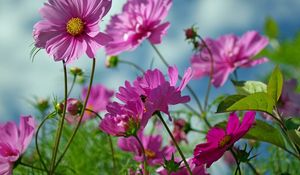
295, 136
292, 123
275, 84
271, 28
229, 101
249, 87
262, 131
258, 101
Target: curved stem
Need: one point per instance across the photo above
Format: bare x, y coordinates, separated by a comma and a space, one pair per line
32, 167
61, 123
72, 85
133, 65
81, 114
187, 86
175, 143
199, 131
37, 138
144, 153
89, 110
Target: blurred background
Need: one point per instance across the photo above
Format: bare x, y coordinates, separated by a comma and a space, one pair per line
22, 80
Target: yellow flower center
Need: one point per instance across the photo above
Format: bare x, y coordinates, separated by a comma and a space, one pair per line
225, 140
75, 26
150, 154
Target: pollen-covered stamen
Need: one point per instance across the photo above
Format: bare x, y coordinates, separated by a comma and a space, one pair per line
150, 154
75, 26
225, 140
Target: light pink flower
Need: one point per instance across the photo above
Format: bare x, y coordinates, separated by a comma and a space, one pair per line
196, 170
99, 98
14, 141
229, 53
140, 20
70, 28
219, 140
155, 91
155, 153
123, 120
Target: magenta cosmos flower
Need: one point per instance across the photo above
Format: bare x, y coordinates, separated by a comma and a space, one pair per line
229, 53
219, 140
154, 151
140, 20
155, 91
196, 170
14, 141
123, 120
70, 28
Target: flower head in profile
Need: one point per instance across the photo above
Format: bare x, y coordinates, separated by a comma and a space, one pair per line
123, 120
229, 52
197, 170
70, 28
155, 91
139, 20
220, 140
14, 141
155, 152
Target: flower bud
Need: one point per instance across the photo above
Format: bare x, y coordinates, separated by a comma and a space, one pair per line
76, 71
42, 105
191, 33
74, 106
112, 61
171, 165
59, 107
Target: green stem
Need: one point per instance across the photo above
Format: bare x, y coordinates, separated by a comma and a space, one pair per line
30, 166
238, 169
187, 86
37, 138
199, 131
133, 65
81, 114
175, 143
144, 154
112, 153
252, 168
72, 85
61, 123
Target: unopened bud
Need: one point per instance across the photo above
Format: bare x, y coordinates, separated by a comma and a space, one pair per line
191, 33
42, 105
74, 106
59, 107
76, 71
112, 61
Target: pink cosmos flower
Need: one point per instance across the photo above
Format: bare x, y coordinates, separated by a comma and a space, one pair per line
123, 120
219, 140
99, 98
70, 28
197, 170
229, 53
140, 20
154, 151
289, 102
14, 141
178, 131
155, 91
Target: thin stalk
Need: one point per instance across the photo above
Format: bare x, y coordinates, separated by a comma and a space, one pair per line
144, 153
32, 167
61, 123
72, 85
187, 86
81, 114
133, 65
253, 168
37, 138
89, 110
199, 131
175, 143
112, 153
238, 169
